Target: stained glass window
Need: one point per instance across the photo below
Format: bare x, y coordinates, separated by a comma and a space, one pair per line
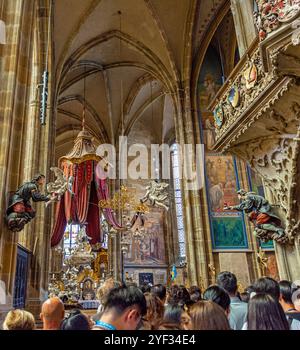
70, 235
178, 200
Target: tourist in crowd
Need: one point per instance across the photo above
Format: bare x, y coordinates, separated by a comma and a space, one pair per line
19, 320
219, 296
285, 300
52, 314
76, 321
176, 316
238, 309
103, 291
270, 286
155, 312
265, 313
245, 296
124, 308
195, 294
207, 315
285, 296
296, 299
179, 295
160, 291
146, 288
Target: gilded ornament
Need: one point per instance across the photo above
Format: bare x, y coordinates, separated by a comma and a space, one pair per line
234, 96
219, 116
250, 76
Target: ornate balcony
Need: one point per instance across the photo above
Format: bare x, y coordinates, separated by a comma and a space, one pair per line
257, 110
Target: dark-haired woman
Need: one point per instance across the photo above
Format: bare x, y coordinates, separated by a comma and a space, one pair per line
265, 313
76, 321
219, 296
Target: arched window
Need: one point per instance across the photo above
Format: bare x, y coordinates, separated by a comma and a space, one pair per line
178, 199
70, 235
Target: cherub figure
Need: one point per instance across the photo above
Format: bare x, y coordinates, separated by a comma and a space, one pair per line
156, 194
60, 185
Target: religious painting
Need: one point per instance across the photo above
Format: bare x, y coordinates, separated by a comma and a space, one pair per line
210, 81
228, 232
222, 183
228, 228
148, 247
145, 278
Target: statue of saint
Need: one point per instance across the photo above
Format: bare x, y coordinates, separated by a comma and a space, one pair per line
260, 213
20, 211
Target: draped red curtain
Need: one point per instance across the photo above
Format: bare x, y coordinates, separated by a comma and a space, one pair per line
82, 207
60, 223
93, 229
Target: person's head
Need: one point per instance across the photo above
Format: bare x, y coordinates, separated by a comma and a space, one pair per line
176, 315
124, 307
207, 315
19, 320
103, 290
227, 280
285, 288
146, 288
219, 296
155, 311
265, 313
195, 293
160, 291
39, 179
241, 194
76, 321
179, 295
52, 314
245, 296
267, 285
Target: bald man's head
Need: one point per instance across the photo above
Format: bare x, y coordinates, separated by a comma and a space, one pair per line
52, 314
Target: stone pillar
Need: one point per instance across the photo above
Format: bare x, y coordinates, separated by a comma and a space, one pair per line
15, 57
242, 11
196, 247
25, 145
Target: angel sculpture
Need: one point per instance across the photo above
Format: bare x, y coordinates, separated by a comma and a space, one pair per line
156, 194
60, 185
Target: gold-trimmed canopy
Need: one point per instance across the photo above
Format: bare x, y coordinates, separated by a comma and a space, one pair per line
83, 149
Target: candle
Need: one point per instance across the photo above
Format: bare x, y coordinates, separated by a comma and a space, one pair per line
81, 285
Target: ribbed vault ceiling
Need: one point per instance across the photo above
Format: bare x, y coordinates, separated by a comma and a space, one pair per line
128, 64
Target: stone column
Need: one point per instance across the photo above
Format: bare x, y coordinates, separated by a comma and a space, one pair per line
242, 11
15, 58
25, 145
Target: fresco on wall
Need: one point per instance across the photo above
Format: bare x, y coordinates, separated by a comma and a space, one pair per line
227, 227
209, 83
148, 249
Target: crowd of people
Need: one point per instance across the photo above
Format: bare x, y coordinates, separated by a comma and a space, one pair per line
265, 305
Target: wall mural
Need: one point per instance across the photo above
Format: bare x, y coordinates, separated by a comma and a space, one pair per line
210, 81
227, 228
148, 250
